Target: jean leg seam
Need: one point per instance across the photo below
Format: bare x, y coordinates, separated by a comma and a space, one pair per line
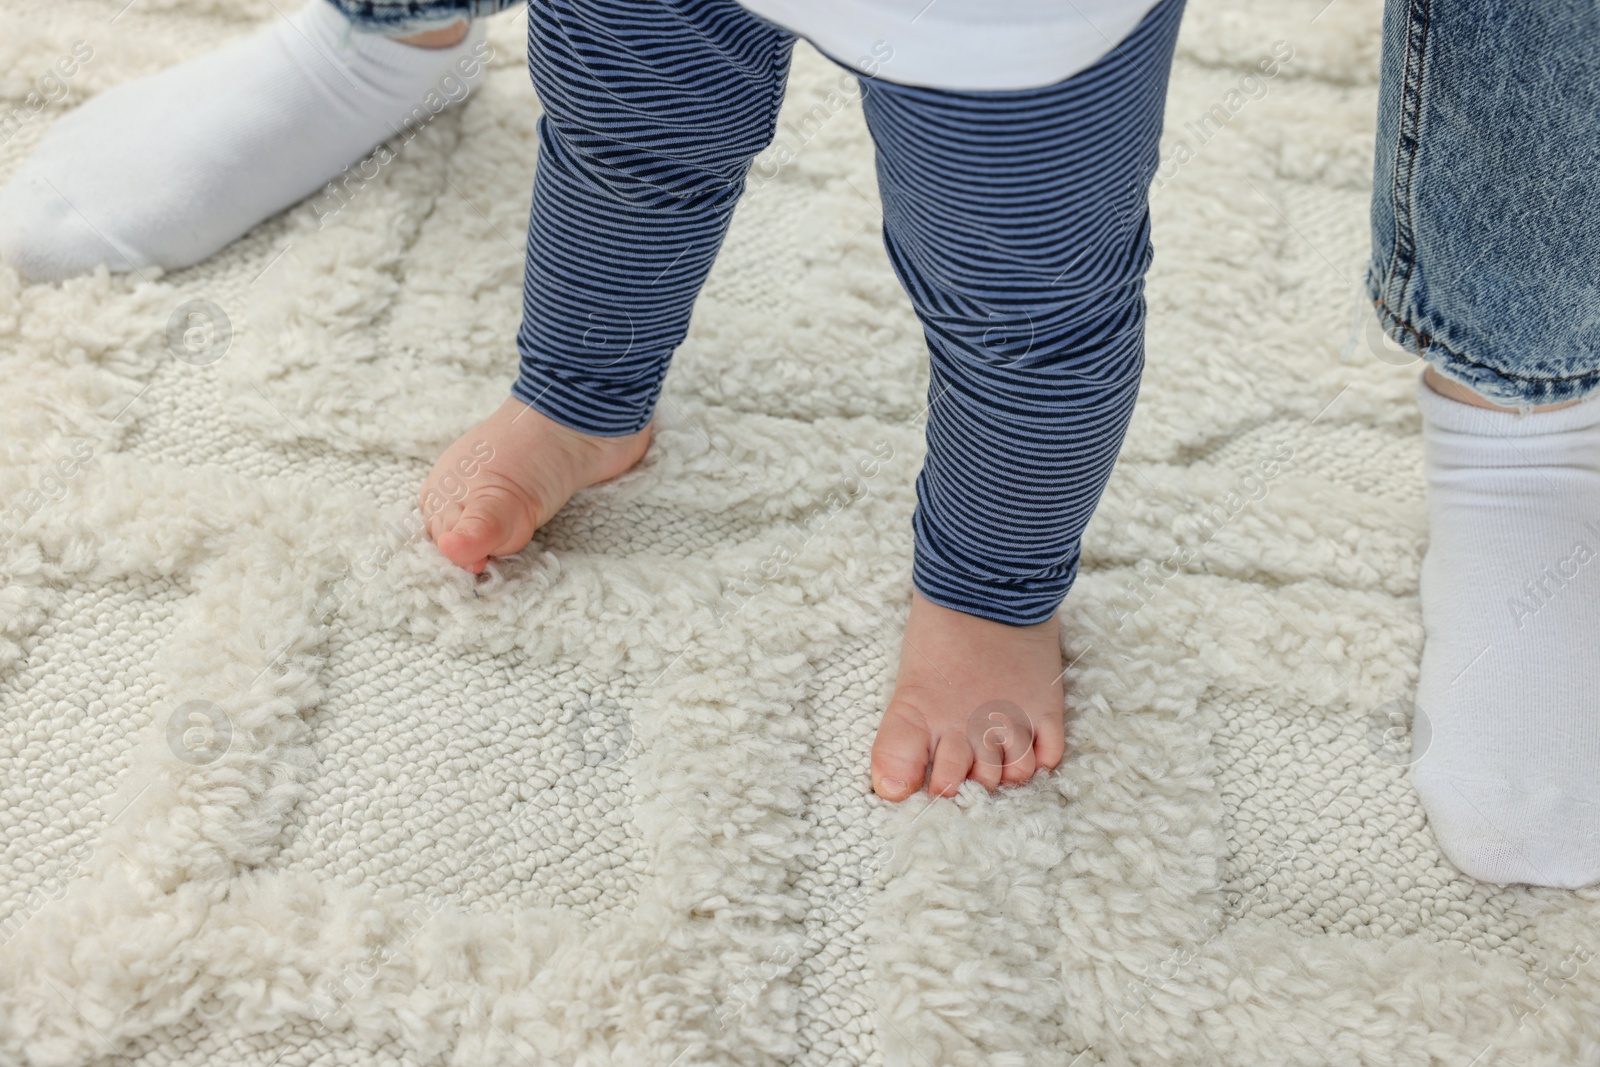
1403, 258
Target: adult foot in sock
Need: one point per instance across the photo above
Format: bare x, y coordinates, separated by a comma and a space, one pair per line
1508, 769
973, 699
508, 476
168, 169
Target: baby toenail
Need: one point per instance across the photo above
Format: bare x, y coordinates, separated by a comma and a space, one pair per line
893, 785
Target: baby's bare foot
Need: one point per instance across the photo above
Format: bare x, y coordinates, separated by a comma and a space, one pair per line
976, 699
503, 480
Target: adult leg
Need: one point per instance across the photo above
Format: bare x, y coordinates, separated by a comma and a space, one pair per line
653, 112
1486, 251
166, 170
1018, 224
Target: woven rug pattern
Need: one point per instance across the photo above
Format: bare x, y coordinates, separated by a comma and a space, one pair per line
281, 786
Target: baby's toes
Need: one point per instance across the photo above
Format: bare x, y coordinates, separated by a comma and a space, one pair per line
485, 528
438, 513
468, 540
1001, 736
1018, 766
900, 753
953, 763
1049, 741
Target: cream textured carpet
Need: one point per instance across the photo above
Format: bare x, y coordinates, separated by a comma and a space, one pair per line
281, 786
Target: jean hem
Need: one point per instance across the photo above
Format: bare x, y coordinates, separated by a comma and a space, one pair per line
1488, 381
406, 27
406, 20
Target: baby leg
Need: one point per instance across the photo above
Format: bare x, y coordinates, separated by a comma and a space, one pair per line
653, 110
1018, 223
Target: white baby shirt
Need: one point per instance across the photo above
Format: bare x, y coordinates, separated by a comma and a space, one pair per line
961, 44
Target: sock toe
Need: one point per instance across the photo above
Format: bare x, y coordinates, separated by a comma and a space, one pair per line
167, 169
1510, 591
1496, 832
46, 240
899, 757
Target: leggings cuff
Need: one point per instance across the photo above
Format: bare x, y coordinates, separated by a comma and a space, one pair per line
580, 407
1014, 603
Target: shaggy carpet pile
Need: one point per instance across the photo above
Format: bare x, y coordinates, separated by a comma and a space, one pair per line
281, 786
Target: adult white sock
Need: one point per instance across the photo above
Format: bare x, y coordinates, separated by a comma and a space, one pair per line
1510, 679
168, 169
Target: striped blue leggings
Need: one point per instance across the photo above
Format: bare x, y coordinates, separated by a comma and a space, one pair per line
1017, 222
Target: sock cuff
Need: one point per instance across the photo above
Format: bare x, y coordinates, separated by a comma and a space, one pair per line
1452, 416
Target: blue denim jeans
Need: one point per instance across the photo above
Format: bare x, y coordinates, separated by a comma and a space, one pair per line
401, 18
1486, 194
